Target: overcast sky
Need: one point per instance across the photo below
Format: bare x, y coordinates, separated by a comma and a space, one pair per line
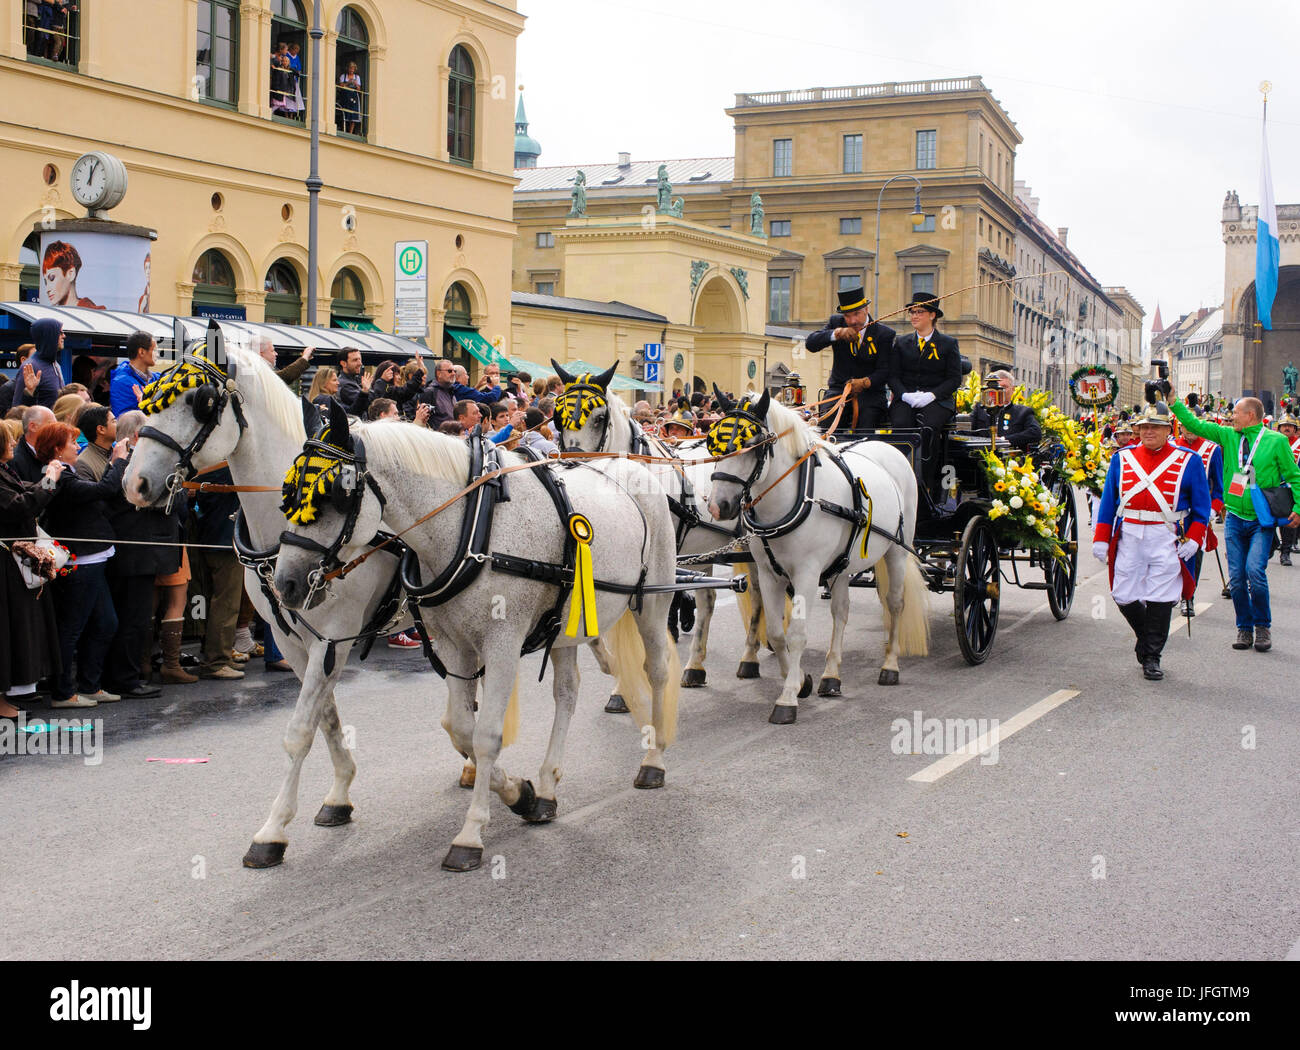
1137, 116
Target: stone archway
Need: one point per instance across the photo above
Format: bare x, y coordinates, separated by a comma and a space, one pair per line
1262, 363
719, 314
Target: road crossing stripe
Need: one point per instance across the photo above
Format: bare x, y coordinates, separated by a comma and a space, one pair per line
948, 763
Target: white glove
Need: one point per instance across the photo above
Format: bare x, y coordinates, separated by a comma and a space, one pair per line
1187, 549
923, 398
1101, 551
911, 399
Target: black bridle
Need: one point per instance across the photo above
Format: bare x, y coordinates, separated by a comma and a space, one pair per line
209, 400
737, 431
345, 495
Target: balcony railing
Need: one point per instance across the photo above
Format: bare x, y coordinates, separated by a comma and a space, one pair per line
891, 89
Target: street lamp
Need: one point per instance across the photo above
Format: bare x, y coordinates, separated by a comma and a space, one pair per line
918, 217
314, 182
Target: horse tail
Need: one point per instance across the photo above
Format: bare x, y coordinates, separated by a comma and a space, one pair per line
510, 730
914, 622
628, 651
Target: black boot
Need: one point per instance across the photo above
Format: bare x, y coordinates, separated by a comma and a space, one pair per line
686, 612
1158, 615
1135, 614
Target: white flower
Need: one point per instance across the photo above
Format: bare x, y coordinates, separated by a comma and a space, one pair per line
1001, 472
1029, 519
1016, 503
1000, 504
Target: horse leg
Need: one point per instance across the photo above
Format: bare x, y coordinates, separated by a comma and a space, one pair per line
694, 675
779, 638
336, 810
615, 705
660, 651
458, 723
749, 658
271, 841
896, 563
466, 851
830, 683
565, 677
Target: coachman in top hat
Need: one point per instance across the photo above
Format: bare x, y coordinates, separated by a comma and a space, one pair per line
864, 355
1150, 527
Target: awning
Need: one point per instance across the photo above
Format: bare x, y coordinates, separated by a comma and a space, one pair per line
359, 324
479, 348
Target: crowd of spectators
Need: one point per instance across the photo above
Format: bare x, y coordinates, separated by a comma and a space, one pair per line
49, 29
286, 81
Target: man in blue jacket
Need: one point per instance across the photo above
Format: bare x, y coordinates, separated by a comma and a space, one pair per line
131, 376
47, 335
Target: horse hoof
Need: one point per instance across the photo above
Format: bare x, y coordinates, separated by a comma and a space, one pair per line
649, 777
526, 801
783, 715
616, 705
805, 690
888, 677
333, 816
828, 687
543, 811
462, 858
693, 677
467, 777
265, 854
747, 669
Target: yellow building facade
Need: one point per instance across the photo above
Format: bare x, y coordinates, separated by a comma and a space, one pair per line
213, 132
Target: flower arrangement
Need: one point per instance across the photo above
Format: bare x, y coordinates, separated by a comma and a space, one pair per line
1093, 386
1086, 464
969, 393
1024, 507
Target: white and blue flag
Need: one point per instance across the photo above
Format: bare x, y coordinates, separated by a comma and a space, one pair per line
1267, 249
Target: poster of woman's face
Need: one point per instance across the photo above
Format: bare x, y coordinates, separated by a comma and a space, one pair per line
100, 271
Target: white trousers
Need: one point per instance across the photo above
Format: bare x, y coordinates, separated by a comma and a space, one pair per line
1146, 565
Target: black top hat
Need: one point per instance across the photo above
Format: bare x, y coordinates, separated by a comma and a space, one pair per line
853, 299
928, 301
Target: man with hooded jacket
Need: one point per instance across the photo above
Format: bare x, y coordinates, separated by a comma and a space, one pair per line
47, 335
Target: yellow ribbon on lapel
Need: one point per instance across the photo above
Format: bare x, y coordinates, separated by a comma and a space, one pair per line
934, 351
583, 603
866, 529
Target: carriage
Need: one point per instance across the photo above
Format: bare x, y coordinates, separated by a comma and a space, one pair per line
964, 551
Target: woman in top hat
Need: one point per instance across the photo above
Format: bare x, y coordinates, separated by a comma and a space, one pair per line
925, 378
863, 359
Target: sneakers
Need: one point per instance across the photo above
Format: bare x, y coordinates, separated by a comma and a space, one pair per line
1245, 639
76, 700
223, 672
240, 658
103, 696
1263, 640
402, 641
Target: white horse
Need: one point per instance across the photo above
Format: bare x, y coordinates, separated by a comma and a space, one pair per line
808, 524
590, 420
254, 423
508, 591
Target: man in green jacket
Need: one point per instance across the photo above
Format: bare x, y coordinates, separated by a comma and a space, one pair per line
1253, 456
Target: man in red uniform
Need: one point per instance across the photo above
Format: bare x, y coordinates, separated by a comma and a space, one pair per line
1150, 527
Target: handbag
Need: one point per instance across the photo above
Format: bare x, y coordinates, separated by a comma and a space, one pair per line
39, 560
1280, 500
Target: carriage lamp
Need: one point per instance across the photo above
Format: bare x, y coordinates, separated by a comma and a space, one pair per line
792, 393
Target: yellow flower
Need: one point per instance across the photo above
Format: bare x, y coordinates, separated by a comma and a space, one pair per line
1001, 486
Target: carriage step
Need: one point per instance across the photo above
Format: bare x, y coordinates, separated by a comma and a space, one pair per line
1034, 586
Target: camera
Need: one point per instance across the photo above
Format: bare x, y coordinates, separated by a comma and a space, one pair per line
1158, 389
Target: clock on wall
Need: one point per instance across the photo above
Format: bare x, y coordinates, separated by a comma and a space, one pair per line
99, 182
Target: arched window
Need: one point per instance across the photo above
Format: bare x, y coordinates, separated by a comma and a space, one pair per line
457, 306
352, 62
214, 281
347, 298
283, 294
288, 60
460, 106
216, 58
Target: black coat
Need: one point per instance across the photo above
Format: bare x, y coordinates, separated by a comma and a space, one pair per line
403, 394
25, 464
873, 358
144, 525
29, 638
78, 509
351, 396
214, 511
938, 370
1016, 424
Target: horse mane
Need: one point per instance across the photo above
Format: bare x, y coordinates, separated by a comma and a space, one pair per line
416, 450
257, 378
801, 436
621, 421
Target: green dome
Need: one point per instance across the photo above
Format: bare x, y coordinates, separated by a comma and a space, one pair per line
527, 148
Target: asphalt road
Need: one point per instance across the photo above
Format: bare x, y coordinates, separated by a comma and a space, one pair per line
1132, 820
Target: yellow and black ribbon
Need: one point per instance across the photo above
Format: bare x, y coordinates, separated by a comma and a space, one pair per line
732, 431
576, 402
163, 391
583, 603
934, 351
866, 529
308, 480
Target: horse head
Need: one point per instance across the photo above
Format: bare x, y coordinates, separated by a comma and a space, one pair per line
583, 411
742, 435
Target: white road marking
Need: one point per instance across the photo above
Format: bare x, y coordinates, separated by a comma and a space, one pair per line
1203, 607
948, 763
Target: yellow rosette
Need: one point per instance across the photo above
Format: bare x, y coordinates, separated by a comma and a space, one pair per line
583, 603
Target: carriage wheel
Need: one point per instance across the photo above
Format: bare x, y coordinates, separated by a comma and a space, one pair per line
1060, 579
977, 594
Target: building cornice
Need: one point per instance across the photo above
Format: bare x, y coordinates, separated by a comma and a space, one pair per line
665, 227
